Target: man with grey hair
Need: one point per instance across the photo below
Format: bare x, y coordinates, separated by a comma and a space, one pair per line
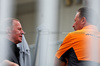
14, 36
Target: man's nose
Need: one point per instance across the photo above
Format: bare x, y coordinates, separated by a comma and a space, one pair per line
23, 32
73, 25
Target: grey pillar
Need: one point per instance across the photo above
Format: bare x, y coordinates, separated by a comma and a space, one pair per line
94, 4
6, 11
48, 19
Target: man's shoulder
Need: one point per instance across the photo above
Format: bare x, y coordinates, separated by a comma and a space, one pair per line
77, 32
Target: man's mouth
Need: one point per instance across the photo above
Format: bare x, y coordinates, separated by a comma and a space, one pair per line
20, 36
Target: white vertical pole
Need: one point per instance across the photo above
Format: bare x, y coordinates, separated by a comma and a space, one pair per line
48, 17
6, 11
94, 4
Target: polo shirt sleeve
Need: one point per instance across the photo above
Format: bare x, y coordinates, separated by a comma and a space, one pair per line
65, 46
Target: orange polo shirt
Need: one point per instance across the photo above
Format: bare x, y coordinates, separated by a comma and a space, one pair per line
85, 44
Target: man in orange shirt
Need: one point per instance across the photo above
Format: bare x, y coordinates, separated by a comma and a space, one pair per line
78, 48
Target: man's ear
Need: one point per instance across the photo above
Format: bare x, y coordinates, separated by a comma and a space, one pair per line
83, 20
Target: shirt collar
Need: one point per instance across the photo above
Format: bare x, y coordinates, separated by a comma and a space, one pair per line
90, 27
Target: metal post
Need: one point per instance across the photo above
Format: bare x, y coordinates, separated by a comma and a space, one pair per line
94, 4
6, 11
48, 17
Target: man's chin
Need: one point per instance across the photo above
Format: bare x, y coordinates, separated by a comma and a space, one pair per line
19, 41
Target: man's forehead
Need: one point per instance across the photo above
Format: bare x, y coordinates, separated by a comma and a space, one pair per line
16, 22
77, 14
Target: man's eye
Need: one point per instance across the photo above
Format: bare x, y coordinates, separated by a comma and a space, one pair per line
19, 29
75, 20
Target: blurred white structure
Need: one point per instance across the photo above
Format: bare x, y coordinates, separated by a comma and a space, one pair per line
94, 4
48, 16
6, 11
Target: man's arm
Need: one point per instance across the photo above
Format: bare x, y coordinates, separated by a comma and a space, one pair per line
8, 63
58, 62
